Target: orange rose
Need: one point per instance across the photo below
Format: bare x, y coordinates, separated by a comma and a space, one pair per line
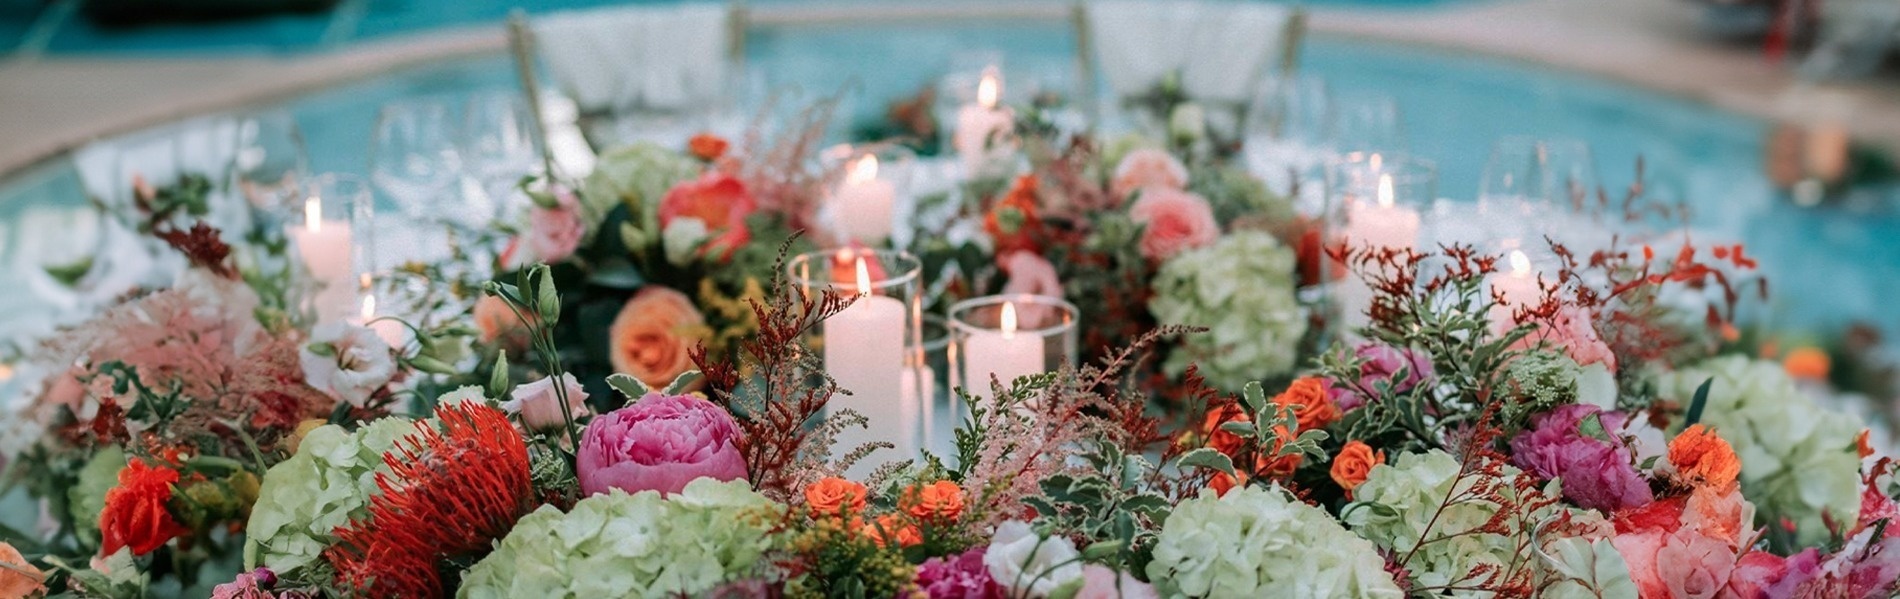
1311, 406
1221, 440
720, 201
18, 577
651, 338
1353, 463
707, 147
1222, 483
833, 496
941, 501
1807, 363
905, 533
497, 321
135, 514
1703, 459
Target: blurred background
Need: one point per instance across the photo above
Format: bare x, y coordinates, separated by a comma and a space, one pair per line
1774, 122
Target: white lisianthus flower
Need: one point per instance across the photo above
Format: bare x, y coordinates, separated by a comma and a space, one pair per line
1029, 565
347, 361
681, 240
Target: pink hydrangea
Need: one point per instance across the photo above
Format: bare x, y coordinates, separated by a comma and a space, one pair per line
659, 443
1597, 472
1378, 363
962, 576
1173, 221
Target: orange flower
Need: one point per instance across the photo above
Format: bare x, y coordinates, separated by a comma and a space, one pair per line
1703, 459
135, 514
941, 501
1221, 440
1861, 443
1019, 205
903, 532
1807, 363
833, 496
1271, 465
18, 578
653, 336
1222, 483
1353, 463
707, 147
1311, 406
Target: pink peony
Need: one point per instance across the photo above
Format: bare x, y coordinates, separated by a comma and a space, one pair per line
960, 576
659, 443
1381, 363
540, 407
1572, 332
1173, 221
1148, 168
719, 200
1597, 473
1102, 582
555, 232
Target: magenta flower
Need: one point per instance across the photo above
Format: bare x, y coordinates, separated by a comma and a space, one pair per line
659, 443
1378, 363
958, 577
1596, 472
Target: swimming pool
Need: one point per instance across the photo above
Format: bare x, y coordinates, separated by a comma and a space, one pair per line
1828, 265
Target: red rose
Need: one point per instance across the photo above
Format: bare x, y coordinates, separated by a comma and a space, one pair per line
135, 514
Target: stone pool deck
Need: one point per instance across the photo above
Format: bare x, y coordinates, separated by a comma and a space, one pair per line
52, 104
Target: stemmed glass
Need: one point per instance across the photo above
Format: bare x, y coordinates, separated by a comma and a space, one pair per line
1538, 171
269, 162
497, 149
1368, 122
413, 160
1290, 131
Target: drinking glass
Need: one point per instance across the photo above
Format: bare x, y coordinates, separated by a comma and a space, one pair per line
1368, 122
1537, 171
497, 149
269, 162
413, 158
1290, 133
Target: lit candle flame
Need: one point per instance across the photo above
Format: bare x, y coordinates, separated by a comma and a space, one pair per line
313, 214
988, 89
1520, 264
369, 308
864, 279
1009, 320
864, 170
1376, 161
1385, 191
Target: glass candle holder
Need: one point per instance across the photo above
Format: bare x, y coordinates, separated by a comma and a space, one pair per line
334, 240
870, 347
867, 183
1374, 201
1008, 337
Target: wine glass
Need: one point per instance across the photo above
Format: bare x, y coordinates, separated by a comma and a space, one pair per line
498, 148
1289, 130
413, 158
1524, 169
269, 161
1368, 122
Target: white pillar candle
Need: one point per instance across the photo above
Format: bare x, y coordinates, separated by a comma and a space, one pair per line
324, 245
978, 123
863, 203
1001, 353
864, 353
1380, 223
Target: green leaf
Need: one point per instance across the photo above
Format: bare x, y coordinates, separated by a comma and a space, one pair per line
1245, 430
431, 365
1696, 405
324, 349
681, 383
1207, 457
1592, 426
628, 386
70, 273
1101, 550
1254, 397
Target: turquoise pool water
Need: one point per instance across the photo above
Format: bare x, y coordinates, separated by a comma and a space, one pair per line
1828, 265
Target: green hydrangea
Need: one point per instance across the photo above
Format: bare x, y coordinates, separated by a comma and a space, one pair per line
1241, 289
1256, 542
1398, 505
638, 176
88, 498
1798, 458
640, 545
325, 485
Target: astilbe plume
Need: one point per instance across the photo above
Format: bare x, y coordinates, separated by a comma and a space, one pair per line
448, 494
775, 405
776, 171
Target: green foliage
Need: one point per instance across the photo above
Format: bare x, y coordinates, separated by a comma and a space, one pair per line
1107, 505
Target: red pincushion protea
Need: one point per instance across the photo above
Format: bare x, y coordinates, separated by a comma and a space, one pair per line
449, 493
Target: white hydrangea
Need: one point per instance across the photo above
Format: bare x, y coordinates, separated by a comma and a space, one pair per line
325, 485
1799, 459
1241, 289
1399, 504
639, 545
1256, 542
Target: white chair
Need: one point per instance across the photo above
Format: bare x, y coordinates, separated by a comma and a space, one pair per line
1220, 50
674, 60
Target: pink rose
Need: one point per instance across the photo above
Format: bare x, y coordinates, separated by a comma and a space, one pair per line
1174, 221
1030, 274
659, 443
717, 199
1142, 169
1573, 332
540, 407
1102, 582
652, 338
555, 232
